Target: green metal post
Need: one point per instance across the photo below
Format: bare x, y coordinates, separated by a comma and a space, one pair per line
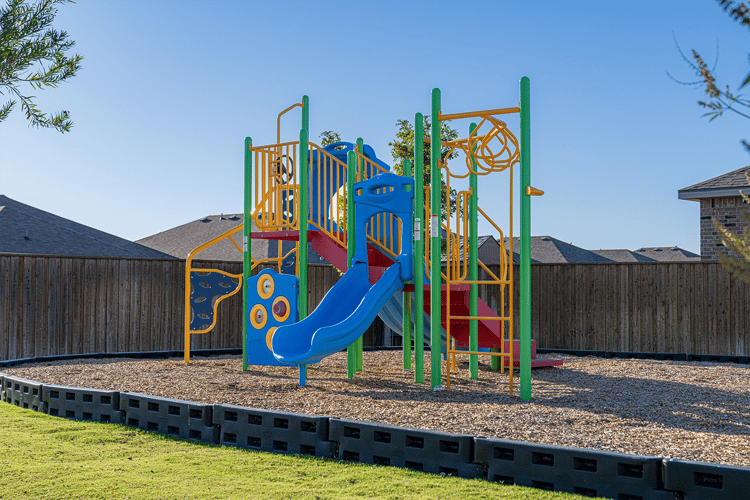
418, 248
303, 216
247, 262
304, 208
304, 135
406, 323
473, 268
360, 167
525, 255
306, 113
435, 225
351, 166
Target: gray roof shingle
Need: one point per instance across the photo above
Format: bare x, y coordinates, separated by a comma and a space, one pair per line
622, 255
181, 240
668, 254
549, 250
724, 185
28, 230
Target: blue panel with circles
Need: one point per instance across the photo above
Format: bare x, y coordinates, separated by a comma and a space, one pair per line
271, 302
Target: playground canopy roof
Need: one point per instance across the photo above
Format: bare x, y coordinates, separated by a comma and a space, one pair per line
725, 185
28, 230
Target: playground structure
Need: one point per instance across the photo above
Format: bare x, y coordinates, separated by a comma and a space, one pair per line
373, 224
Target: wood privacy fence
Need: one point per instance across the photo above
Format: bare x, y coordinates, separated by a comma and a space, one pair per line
687, 307
73, 305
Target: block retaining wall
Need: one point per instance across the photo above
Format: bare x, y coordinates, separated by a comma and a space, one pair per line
548, 467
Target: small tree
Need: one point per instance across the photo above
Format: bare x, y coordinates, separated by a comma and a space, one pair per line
402, 148
329, 137
32, 52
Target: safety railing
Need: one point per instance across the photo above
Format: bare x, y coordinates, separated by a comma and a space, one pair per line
327, 203
275, 186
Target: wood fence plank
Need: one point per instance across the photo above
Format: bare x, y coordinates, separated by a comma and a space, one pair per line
69, 305
90, 291
43, 310
624, 306
29, 314
56, 307
136, 283
685, 303
5, 273
113, 301
157, 306
723, 329
123, 305
612, 316
100, 307
168, 332
698, 303
715, 325
145, 310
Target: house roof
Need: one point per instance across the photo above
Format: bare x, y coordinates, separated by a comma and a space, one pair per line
28, 230
549, 250
668, 254
724, 185
181, 240
622, 255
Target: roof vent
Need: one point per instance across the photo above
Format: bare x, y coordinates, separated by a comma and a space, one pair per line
206, 220
222, 217
545, 238
27, 236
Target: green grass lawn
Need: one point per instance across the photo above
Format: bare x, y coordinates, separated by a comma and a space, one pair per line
50, 457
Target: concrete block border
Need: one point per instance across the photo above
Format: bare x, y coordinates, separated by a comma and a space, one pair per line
557, 468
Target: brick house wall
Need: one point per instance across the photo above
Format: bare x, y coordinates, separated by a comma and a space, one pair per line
729, 212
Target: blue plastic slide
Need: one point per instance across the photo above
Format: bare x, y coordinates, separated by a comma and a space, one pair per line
352, 304
324, 332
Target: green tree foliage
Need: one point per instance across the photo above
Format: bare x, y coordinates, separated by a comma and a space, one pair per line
33, 53
720, 97
402, 148
329, 137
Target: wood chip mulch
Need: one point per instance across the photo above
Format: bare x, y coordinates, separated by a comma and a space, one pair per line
687, 410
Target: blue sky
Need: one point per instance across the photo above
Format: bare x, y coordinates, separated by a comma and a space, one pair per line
170, 89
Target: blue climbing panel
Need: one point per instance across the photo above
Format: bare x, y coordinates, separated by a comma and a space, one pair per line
206, 289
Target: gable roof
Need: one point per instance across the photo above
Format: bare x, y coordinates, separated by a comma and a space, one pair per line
668, 254
28, 230
181, 240
622, 255
724, 185
546, 249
